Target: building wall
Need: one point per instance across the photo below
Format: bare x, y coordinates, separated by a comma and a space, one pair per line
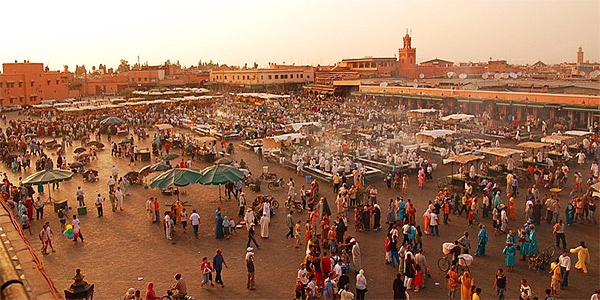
27, 83
145, 77
494, 96
263, 76
105, 84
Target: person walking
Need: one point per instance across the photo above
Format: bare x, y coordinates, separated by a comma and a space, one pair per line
482, 239
583, 257
500, 283
356, 256
525, 292
242, 204
98, 202
466, 282
167, 224
289, 221
77, 229
361, 285
509, 252
251, 236
119, 196
218, 262
206, 270
398, 288
565, 267
39, 208
559, 233
250, 268
195, 221
80, 198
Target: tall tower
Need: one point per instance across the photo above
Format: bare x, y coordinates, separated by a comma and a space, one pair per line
407, 64
580, 56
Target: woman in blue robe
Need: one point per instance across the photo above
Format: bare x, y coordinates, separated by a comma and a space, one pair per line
532, 238
570, 213
482, 239
401, 209
219, 223
509, 252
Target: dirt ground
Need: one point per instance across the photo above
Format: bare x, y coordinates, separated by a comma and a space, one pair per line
124, 249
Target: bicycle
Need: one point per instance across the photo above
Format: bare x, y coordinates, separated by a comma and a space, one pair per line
445, 262
169, 296
276, 184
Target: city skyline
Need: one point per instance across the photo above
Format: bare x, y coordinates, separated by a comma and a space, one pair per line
308, 32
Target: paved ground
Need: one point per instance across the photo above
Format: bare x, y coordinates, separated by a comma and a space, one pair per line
124, 249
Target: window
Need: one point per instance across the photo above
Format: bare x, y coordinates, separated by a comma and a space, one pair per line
301, 75
57, 81
145, 78
0, 84
307, 76
47, 82
20, 83
11, 100
21, 99
139, 78
269, 76
276, 76
261, 78
30, 84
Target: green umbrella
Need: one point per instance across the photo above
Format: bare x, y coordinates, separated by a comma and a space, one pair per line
171, 156
48, 176
175, 177
220, 174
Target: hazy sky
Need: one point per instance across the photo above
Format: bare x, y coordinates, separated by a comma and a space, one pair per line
303, 32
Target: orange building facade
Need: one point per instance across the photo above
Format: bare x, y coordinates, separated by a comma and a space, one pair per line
29, 83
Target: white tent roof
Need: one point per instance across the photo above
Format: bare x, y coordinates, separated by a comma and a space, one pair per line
578, 132
436, 133
284, 137
460, 117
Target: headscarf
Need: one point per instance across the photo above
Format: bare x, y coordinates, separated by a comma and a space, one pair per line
150, 293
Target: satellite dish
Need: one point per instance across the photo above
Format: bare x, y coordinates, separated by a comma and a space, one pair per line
497, 76
415, 85
520, 74
504, 75
512, 75
484, 75
421, 75
450, 74
582, 73
383, 84
594, 74
462, 76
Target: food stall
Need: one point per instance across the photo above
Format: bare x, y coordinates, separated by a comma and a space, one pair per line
534, 146
499, 168
462, 159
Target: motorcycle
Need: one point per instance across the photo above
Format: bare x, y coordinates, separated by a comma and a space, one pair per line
276, 184
169, 296
292, 203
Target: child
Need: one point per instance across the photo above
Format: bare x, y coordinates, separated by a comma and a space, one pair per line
231, 226
418, 281
226, 227
184, 218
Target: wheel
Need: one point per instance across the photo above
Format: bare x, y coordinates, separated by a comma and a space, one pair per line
275, 203
299, 208
271, 185
551, 250
287, 205
444, 264
166, 298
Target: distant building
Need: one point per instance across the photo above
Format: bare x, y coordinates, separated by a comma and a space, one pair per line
407, 64
580, 56
29, 83
257, 78
437, 63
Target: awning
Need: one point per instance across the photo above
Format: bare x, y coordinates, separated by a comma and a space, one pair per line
163, 126
503, 103
580, 108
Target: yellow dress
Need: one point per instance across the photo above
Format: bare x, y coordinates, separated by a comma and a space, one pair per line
465, 287
583, 256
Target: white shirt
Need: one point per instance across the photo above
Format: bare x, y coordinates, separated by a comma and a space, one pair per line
565, 262
433, 221
195, 219
302, 275
76, 225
